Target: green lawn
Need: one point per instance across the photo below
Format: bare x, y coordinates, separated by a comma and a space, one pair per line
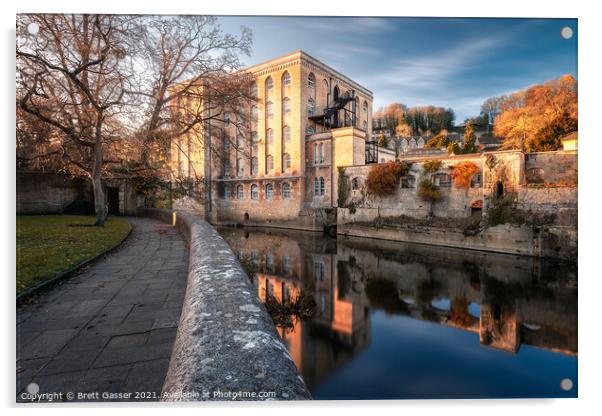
49, 244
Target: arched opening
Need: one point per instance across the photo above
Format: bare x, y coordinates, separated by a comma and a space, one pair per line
499, 189
246, 216
335, 94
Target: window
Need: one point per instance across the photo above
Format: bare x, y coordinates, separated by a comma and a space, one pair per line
269, 134
269, 163
269, 108
255, 257
254, 113
286, 134
319, 186
310, 130
311, 80
255, 141
535, 175
311, 107
239, 167
316, 156
227, 191
476, 180
240, 141
240, 192
355, 184
365, 106
286, 105
408, 181
286, 190
254, 192
365, 125
286, 161
269, 192
269, 84
226, 144
254, 89
442, 180
319, 270
227, 168
226, 119
321, 151
286, 79
286, 264
254, 166
269, 262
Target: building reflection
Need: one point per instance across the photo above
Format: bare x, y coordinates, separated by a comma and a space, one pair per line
507, 300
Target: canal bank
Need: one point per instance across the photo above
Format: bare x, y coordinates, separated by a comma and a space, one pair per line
226, 346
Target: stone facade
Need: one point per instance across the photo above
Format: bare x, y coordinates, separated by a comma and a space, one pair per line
285, 164
554, 191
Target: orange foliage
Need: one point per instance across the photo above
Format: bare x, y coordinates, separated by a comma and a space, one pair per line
462, 173
383, 179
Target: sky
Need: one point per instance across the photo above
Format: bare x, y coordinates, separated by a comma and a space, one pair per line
449, 62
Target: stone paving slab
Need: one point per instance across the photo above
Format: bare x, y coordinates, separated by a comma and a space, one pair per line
110, 328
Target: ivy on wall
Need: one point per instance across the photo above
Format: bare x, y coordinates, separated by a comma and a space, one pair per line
383, 179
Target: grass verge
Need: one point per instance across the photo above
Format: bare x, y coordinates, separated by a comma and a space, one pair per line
50, 244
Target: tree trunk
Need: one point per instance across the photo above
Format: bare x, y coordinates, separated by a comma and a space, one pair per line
100, 208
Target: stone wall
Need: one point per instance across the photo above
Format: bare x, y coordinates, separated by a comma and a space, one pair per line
48, 193
226, 341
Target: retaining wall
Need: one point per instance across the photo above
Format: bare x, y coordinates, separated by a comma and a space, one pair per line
226, 342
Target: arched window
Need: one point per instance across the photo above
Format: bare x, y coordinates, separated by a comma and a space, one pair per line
269, 84
254, 166
254, 192
269, 162
269, 191
227, 191
286, 190
227, 169
321, 153
286, 134
286, 161
355, 184
311, 107
321, 185
269, 134
254, 113
316, 154
286, 105
365, 125
310, 129
255, 141
240, 192
254, 89
239, 167
269, 109
286, 79
365, 106
311, 80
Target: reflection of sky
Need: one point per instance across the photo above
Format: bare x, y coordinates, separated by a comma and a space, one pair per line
453, 63
410, 358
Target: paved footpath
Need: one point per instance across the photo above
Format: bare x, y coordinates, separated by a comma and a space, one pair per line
112, 327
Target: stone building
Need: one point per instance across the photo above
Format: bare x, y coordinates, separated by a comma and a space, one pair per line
307, 119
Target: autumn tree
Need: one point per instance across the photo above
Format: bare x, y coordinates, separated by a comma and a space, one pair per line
70, 78
536, 118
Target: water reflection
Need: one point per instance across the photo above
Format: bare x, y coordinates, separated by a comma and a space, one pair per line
397, 320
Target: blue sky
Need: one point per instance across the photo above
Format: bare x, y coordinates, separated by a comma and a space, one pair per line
450, 62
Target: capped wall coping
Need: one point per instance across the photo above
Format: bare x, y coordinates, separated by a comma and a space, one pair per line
226, 346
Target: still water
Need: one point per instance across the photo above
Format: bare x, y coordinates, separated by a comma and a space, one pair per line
397, 321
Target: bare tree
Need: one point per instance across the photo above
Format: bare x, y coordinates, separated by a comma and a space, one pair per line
69, 77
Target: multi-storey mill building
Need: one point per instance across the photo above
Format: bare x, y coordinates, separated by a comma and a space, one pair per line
308, 119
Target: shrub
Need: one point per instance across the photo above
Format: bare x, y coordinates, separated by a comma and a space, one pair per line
431, 166
428, 191
383, 179
462, 173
